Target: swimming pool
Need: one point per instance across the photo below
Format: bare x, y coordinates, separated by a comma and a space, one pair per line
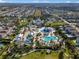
45, 30
49, 38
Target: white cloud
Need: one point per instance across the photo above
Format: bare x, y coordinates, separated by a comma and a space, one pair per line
36, 1
68, 1
39, 1
2, 1
46, 1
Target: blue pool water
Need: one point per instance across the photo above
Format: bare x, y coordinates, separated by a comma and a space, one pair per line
49, 38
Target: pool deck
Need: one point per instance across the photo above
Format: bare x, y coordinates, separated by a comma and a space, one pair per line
39, 38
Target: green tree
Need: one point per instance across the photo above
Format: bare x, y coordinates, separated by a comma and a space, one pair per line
61, 55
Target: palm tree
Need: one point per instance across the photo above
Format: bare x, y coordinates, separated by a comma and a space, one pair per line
61, 55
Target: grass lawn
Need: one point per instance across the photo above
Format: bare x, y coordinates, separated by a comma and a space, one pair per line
38, 55
0, 57
53, 24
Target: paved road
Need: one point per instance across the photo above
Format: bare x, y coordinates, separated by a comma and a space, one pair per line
72, 25
5, 12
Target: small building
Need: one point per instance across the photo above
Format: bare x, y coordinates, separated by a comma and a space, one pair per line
77, 39
38, 22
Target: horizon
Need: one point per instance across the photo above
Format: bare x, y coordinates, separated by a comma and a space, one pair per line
39, 1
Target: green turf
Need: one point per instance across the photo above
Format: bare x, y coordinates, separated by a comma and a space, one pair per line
38, 55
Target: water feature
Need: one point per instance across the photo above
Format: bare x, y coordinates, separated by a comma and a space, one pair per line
50, 38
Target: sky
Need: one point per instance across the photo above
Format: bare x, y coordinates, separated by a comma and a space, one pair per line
39, 1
